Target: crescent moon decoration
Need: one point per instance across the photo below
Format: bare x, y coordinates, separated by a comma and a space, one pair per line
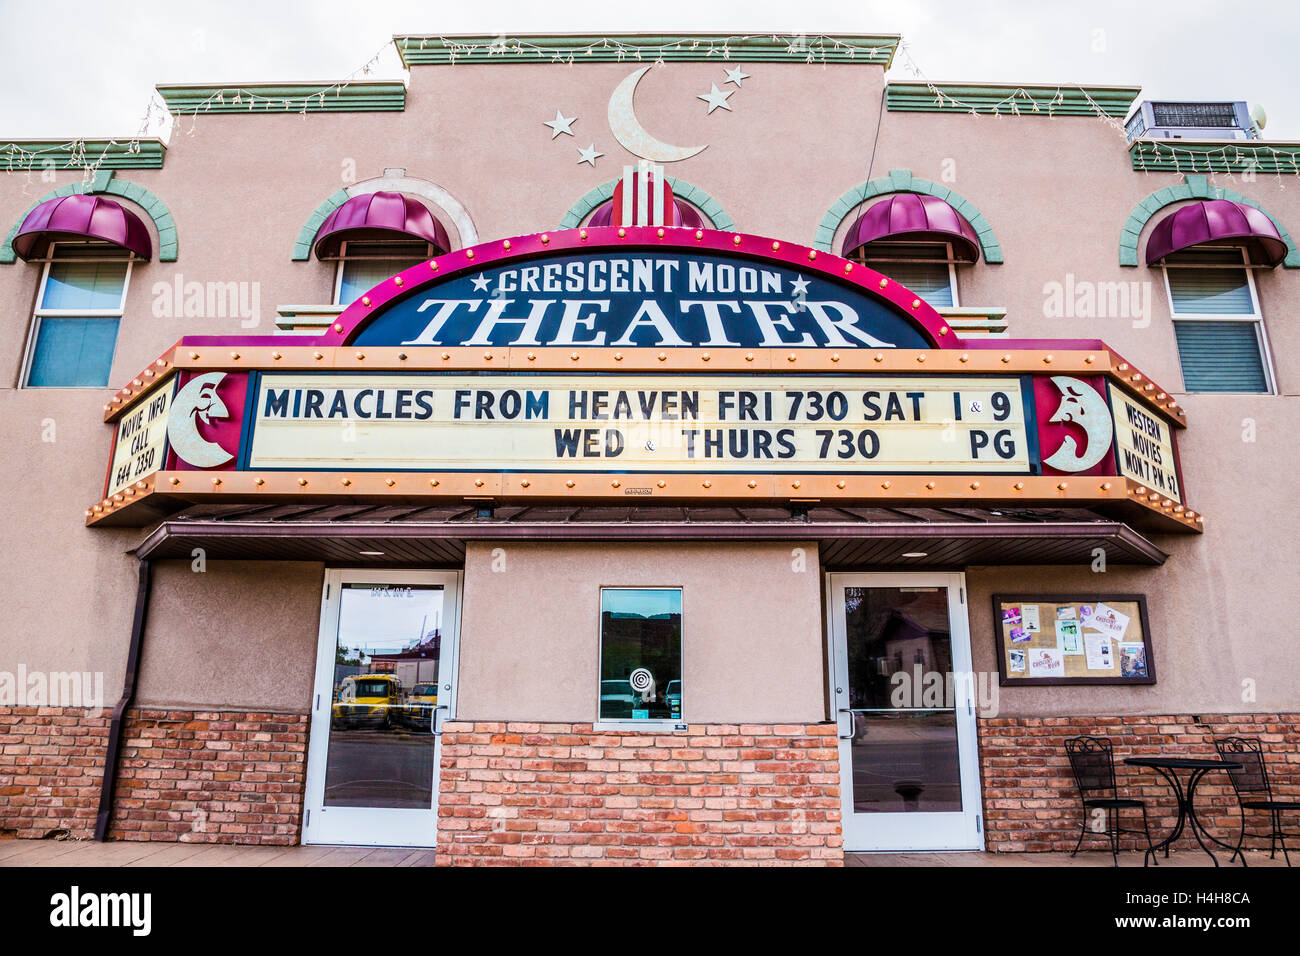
1081, 405
198, 399
632, 136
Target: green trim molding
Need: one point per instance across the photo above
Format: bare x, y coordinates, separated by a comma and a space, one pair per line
21, 155
902, 181
1227, 156
168, 241
425, 50
307, 234
1009, 100
694, 195
1194, 187
358, 97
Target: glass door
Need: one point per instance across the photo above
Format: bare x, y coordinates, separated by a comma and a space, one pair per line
385, 684
901, 677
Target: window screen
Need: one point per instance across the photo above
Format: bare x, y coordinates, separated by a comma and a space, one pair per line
922, 267
366, 264
1221, 356
1217, 286
1224, 355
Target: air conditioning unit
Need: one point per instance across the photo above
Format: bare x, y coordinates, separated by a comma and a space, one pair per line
1183, 120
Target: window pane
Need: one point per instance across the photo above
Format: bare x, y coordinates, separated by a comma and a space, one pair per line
386, 661
640, 654
1221, 356
904, 749
362, 275
930, 280
1210, 291
84, 285
73, 352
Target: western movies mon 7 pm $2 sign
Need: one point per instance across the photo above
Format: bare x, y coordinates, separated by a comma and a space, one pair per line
640, 423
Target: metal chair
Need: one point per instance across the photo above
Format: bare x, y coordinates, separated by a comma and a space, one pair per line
1093, 762
1253, 790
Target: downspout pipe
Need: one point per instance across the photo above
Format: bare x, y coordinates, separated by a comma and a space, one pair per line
128, 695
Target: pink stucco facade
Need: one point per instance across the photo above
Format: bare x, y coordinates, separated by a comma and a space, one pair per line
1057, 191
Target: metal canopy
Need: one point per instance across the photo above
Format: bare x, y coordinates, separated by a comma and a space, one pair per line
848, 537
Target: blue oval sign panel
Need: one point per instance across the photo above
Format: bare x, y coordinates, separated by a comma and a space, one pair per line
652, 299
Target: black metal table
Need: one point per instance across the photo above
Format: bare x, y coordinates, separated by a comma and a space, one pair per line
1199, 767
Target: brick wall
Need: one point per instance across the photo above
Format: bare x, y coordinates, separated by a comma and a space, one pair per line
518, 793
1031, 802
211, 777
51, 766
194, 777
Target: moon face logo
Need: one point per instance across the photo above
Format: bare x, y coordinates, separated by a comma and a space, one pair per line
632, 135
198, 399
1082, 406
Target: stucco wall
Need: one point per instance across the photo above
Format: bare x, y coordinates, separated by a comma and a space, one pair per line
241, 634
1220, 607
1056, 191
751, 629
67, 594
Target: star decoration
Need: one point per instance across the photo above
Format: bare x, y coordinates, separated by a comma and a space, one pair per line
799, 286
715, 98
480, 282
735, 76
589, 155
560, 124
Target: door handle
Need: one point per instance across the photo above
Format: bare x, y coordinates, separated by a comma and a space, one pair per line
853, 727
433, 719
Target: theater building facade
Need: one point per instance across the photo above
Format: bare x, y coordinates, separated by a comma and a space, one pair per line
459, 462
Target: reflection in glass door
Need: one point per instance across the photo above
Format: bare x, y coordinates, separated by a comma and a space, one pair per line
901, 657
384, 684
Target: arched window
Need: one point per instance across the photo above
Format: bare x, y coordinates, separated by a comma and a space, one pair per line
1208, 252
916, 240
86, 246
374, 236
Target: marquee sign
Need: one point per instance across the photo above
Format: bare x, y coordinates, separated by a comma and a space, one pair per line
680, 364
645, 423
1144, 446
141, 441
655, 299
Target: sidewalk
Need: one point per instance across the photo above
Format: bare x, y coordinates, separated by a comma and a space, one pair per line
20, 853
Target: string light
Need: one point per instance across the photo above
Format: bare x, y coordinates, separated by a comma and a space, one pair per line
1244, 157
1147, 156
17, 158
20, 159
812, 48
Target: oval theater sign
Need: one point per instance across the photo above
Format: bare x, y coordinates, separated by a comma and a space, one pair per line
652, 362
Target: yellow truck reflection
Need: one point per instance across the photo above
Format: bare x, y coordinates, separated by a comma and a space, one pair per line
418, 711
367, 700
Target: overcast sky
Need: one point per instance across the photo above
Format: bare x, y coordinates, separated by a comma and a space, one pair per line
87, 69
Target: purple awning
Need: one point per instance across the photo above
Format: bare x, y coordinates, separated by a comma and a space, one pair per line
913, 216
390, 213
682, 215
1218, 221
85, 217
